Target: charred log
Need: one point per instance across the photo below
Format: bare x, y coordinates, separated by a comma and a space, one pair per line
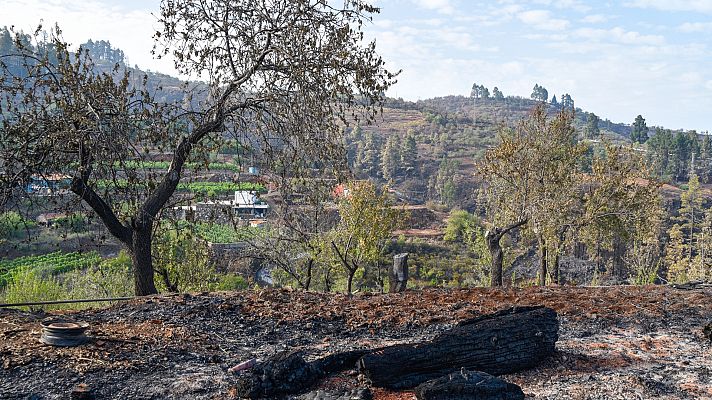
504, 342
356, 394
338, 362
465, 385
288, 373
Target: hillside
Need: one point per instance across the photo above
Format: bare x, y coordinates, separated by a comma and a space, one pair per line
451, 133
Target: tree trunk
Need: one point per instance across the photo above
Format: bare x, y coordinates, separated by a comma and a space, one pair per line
497, 255
492, 237
555, 269
399, 273
542, 263
501, 343
142, 262
349, 281
310, 266
288, 373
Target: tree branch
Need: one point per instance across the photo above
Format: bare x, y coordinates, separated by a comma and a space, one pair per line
508, 228
103, 210
341, 257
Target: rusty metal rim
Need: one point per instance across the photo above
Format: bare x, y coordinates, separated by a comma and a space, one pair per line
63, 332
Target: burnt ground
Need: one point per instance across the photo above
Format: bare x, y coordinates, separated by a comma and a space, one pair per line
615, 342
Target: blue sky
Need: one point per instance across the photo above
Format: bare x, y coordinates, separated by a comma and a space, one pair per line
617, 59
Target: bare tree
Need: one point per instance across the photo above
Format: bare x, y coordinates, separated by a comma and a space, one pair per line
281, 76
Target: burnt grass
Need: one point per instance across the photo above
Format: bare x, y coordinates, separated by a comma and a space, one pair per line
615, 342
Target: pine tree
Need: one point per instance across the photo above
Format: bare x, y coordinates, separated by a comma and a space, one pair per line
370, 161
445, 185
6, 45
535, 92
539, 93
691, 214
702, 268
567, 103
497, 94
390, 158
682, 153
705, 160
409, 155
592, 130
639, 133
554, 102
676, 256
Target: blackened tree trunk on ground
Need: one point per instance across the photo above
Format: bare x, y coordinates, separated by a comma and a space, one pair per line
288, 373
493, 238
464, 385
501, 343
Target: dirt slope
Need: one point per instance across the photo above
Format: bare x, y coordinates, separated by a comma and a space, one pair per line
616, 342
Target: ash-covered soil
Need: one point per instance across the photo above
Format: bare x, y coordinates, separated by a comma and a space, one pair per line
615, 342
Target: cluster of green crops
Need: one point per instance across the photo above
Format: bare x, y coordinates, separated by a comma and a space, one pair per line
201, 188
217, 188
222, 233
221, 166
56, 263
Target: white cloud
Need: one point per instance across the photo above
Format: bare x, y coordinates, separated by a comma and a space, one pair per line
704, 6
594, 19
441, 6
618, 35
696, 27
566, 4
542, 19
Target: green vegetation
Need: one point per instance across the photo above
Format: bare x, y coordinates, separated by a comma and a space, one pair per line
53, 263
107, 278
29, 285
74, 222
163, 165
212, 189
209, 189
363, 231
223, 233
13, 225
230, 282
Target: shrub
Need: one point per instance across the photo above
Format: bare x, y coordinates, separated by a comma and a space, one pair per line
28, 285
12, 225
230, 282
54, 263
75, 222
182, 261
110, 278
